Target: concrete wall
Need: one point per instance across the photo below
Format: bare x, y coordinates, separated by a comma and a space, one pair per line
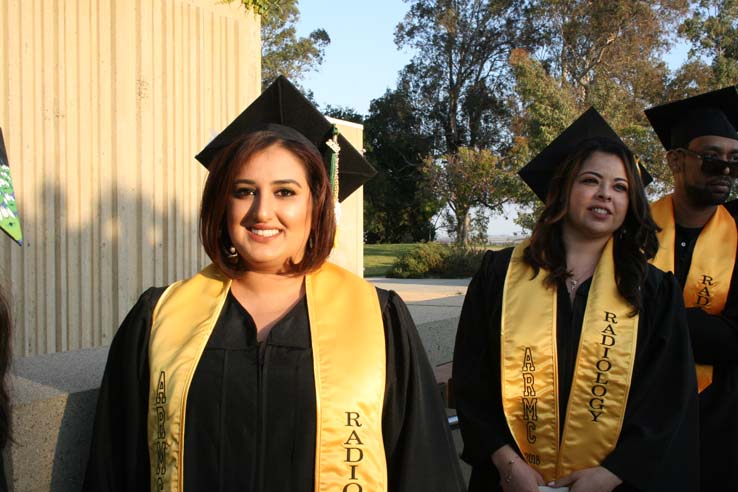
349, 250
103, 104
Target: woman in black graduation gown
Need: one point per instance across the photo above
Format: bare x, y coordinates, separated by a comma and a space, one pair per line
257, 412
536, 415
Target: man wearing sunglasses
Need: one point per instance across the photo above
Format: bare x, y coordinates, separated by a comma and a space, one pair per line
698, 242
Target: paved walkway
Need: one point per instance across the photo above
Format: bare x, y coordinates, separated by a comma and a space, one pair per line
423, 288
428, 299
435, 305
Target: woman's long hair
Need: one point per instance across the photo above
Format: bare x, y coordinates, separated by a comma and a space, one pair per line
635, 242
6, 333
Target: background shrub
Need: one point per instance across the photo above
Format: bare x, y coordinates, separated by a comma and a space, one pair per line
462, 262
421, 261
433, 260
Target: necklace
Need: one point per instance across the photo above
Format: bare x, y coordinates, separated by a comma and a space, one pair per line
572, 283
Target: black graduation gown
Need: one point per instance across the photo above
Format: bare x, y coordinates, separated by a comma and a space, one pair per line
250, 423
3, 481
715, 342
656, 450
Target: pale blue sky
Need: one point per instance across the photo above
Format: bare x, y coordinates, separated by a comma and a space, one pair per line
362, 61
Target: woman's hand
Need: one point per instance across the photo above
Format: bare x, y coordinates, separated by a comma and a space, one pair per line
515, 474
597, 479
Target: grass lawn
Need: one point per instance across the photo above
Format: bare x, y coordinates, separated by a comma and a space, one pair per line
378, 258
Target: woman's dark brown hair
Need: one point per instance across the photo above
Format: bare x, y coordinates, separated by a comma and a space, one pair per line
5, 334
635, 242
217, 192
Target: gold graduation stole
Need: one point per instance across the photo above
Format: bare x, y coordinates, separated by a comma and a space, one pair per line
713, 259
349, 362
529, 367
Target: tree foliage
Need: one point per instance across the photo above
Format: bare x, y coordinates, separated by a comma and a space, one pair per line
603, 54
508, 76
397, 207
588, 45
261, 7
712, 30
344, 113
458, 76
469, 178
282, 51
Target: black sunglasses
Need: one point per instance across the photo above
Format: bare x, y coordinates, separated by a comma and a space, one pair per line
713, 166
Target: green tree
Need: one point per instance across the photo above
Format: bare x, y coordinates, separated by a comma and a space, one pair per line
344, 113
282, 51
613, 46
603, 54
712, 30
458, 78
468, 179
397, 207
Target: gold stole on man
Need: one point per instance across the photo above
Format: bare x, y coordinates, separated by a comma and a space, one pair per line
529, 364
713, 258
349, 364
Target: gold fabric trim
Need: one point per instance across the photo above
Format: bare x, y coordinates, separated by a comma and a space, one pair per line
349, 363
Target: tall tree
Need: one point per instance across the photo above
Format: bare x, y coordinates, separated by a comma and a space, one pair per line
588, 44
397, 207
712, 30
458, 84
282, 51
458, 78
605, 54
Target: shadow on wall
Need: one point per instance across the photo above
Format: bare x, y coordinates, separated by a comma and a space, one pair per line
80, 270
83, 265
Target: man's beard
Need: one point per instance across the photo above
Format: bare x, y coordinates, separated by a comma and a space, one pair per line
703, 197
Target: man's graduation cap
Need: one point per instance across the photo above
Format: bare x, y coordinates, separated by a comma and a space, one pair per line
712, 113
9, 219
283, 109
539, 172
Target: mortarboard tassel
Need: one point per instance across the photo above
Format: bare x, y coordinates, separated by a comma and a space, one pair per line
333, 149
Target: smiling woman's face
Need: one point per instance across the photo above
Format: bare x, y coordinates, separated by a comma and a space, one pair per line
269, 210
598, 202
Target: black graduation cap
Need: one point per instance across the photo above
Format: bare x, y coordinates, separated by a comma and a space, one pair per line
711, 113
282, 105
538, 173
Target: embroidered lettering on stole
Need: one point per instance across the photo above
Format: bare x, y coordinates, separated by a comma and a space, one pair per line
349, 363
349, 366
529, 366
708, 281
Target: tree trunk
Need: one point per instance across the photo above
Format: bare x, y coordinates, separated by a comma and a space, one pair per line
463, 224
